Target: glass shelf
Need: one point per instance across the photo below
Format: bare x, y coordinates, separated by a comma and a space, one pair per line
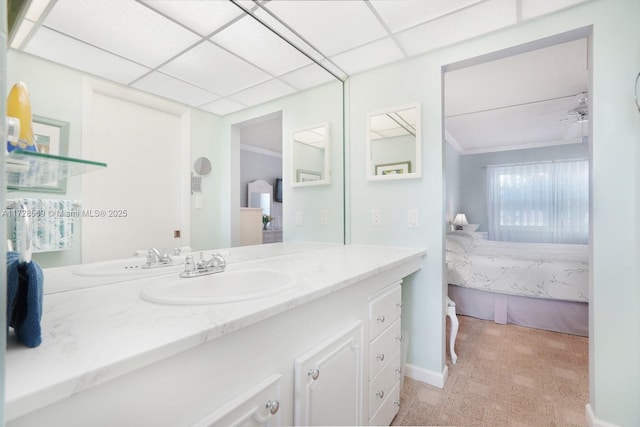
31, 169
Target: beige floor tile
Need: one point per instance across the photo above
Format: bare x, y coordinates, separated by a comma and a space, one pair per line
506, 375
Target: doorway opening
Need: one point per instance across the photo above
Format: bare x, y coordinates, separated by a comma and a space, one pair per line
260, 155
525, 105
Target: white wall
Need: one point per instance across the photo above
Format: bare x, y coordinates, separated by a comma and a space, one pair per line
614, 328
408, 82
206, 229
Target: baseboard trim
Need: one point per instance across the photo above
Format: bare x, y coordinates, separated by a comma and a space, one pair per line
593, 421
436, 379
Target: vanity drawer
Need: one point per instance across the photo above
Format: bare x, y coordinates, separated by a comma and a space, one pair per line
384, 347
384, 310
388, 409
381, 386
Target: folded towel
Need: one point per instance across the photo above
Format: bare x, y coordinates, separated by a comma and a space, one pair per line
24, 299
51, 224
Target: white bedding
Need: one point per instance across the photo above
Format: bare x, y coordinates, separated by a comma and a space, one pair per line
553, 271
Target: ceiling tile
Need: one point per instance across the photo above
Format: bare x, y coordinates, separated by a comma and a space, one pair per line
329, 25
468, 23
400, 15
369, 56
124, 27
263, 92
204, 17
288, 34
535, 8
223, 106
169, 87
72, 53
307, 77
250, 40
214, 69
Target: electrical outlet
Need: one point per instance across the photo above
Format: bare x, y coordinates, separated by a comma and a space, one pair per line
412, 218
324, 217
298, 217
376, 217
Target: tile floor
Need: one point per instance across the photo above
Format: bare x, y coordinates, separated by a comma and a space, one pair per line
506, 375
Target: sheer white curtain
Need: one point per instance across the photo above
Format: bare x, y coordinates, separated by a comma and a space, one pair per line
539, 202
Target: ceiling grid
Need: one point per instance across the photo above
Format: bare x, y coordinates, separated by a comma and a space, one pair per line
213, 55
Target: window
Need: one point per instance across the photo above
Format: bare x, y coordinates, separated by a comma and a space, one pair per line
539, 202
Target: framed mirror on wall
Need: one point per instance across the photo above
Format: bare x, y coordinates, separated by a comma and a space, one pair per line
310, 156
394, 144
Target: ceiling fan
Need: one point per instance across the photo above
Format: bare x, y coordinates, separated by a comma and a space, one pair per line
579, 117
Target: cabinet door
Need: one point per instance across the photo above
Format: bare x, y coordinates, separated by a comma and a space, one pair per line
328, 381
257, 407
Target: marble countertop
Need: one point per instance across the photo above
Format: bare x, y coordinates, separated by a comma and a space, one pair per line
95, 329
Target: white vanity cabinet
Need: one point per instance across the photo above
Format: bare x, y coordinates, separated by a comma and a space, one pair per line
256, 407
325, 353
328, 381
385, 361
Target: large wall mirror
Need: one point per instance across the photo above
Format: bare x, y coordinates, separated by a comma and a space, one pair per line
310, 156
205, 67
394, 144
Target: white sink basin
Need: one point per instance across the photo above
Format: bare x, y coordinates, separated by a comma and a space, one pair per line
124, 267
228, 286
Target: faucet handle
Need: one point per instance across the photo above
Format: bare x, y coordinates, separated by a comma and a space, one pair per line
189, 265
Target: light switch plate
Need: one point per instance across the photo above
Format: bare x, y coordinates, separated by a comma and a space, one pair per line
298, 217
324, 217
412, 218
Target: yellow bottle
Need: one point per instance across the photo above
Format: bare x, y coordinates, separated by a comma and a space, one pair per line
19, 106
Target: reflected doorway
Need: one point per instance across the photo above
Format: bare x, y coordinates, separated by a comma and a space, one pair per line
261, 161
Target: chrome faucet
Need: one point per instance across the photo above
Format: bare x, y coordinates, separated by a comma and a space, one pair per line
202, 267
157, 259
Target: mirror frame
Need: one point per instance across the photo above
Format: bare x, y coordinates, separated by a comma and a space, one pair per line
326, 163
417, 167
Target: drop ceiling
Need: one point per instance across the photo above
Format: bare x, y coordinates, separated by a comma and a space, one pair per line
225, 56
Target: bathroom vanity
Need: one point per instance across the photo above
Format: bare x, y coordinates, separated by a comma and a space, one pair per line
324, 349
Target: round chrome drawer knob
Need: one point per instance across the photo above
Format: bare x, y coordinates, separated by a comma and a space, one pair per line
272, 406
380, 394
381, 319
314, 374
381, 357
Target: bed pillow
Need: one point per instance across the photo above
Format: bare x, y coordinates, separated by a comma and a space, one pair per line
460, 242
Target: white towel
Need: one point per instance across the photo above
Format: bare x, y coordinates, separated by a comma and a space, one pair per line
51, 223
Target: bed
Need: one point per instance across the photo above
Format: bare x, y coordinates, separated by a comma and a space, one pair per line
537, 285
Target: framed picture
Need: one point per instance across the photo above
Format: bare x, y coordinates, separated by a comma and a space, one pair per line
303, 175
393, 168
52, 139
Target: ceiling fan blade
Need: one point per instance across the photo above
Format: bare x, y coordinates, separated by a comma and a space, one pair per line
578, 129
